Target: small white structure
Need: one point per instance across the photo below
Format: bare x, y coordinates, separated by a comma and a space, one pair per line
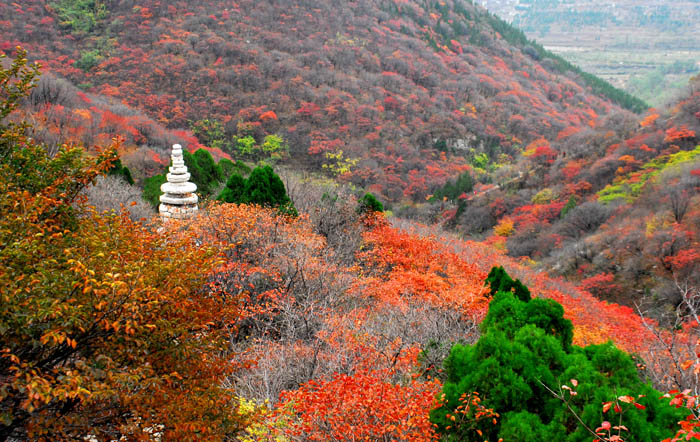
179, 200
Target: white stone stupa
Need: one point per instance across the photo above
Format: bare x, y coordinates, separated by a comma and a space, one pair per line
178, 200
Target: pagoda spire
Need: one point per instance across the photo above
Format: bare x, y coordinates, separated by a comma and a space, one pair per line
178, 200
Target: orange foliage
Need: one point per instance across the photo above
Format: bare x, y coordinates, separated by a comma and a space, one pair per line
572, 169
595, 321
649, 120
269, 115
117, 330
410, 268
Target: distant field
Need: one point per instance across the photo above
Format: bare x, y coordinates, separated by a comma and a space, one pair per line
655, 74
649, 48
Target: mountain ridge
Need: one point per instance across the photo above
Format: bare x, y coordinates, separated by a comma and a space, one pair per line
387, 95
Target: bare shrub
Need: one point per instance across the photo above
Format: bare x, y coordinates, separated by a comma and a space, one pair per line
332, 210
52, 90
673, 354
584, 219
112, 193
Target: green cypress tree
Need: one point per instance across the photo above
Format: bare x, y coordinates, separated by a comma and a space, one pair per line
233, 192
227, 167
369, 203
525, 348
452, 190
197, 175
118, 169
499, 281
265, 188
211, 170
151, 189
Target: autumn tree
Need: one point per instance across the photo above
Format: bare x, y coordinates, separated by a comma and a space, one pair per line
109, 329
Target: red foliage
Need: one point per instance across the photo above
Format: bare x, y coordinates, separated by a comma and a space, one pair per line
330, 88
363, 406
601, 285
572, 169
321, 144
684, 259
581, 188
525, 216
678, 133
308, 109
569, 131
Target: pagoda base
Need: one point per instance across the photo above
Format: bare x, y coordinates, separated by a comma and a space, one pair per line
169, 211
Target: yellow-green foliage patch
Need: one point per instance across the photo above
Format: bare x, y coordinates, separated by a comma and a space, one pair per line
630, 187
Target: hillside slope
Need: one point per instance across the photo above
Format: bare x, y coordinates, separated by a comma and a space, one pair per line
392, 96
619, 212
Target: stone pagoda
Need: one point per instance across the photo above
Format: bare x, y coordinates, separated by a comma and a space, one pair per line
178, 200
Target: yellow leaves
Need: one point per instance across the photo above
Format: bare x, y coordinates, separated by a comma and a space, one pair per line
338, 164
505, 228
545, 196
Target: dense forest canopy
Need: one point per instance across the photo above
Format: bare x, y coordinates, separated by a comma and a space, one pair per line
393, 96
392, 194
